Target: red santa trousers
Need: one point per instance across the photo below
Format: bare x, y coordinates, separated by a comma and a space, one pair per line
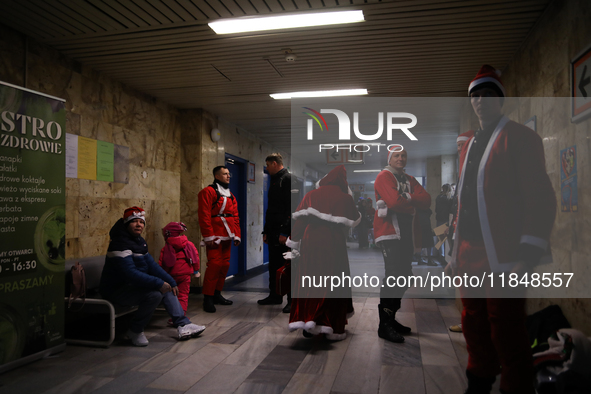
218, 263
184, 284
494, 328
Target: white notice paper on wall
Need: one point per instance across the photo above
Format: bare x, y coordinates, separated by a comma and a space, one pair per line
71, 155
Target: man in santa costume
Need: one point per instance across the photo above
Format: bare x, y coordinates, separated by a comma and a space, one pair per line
397, 231
506, 213
220, 227
320, 232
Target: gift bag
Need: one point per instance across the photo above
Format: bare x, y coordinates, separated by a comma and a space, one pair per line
284, 280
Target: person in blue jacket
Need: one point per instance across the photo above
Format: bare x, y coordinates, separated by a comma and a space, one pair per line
131, 277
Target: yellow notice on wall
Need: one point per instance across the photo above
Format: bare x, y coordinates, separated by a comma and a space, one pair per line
86, 158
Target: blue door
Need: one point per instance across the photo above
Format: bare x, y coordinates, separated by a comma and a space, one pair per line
237, 168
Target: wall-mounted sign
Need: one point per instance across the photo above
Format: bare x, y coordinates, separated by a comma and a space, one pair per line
335, 156
580, 83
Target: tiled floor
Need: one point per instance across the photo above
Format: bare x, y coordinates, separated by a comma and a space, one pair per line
247, 348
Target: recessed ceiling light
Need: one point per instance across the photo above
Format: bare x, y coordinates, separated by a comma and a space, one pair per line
320, 93
245, 24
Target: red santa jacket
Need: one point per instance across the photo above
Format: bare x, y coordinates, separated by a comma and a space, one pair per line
516, 201
218, 220
386, 188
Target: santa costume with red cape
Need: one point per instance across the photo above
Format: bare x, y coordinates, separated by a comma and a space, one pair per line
320, 234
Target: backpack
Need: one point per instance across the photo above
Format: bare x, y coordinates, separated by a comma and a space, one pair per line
77, 283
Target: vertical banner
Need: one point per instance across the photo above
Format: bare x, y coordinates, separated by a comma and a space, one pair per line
32, 224
568, 180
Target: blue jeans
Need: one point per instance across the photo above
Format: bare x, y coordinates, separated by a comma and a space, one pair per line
147, 301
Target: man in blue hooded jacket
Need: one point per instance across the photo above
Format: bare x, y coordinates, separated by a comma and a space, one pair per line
132, 277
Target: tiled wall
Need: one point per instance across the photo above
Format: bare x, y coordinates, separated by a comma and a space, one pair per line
171, 154
541, 69
102, 109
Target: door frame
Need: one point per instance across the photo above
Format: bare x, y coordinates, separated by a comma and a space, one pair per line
242, 204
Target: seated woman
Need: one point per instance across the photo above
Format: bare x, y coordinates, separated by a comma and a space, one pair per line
132, 277
320, 234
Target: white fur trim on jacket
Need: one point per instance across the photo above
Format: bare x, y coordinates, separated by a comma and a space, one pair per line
292, 244
382, 208
536, 241
491, 250
311, 327
326, 217
223, 191
336, 337
119, 253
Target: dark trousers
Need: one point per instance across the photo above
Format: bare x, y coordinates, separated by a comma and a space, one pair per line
397, 261
276, 261
147, 301
494, 328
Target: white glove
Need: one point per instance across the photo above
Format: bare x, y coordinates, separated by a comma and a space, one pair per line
294, 254
382, 209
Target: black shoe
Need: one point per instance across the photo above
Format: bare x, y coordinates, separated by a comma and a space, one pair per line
208, 304
478, 385
386, 329
287, 309
400, 328
272, 299
307, 334
220, 300
388, 333
431, 263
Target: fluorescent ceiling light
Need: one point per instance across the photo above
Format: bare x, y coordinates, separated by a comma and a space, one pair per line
240, 25
320, 93
367, 170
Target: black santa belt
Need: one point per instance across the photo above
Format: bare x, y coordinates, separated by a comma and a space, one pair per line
223, 215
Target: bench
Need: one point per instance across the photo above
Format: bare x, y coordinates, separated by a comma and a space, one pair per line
92, 322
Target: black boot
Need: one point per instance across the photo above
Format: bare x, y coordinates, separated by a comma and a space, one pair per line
287, 307
400, 328
386, 329
219, 299
272, 299
208, 304
478, 385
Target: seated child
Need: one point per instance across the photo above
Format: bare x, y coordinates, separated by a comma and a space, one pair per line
179, 257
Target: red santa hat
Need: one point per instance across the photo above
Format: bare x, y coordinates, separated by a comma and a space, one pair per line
134, 213
392, 149
465, 136
489, 77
